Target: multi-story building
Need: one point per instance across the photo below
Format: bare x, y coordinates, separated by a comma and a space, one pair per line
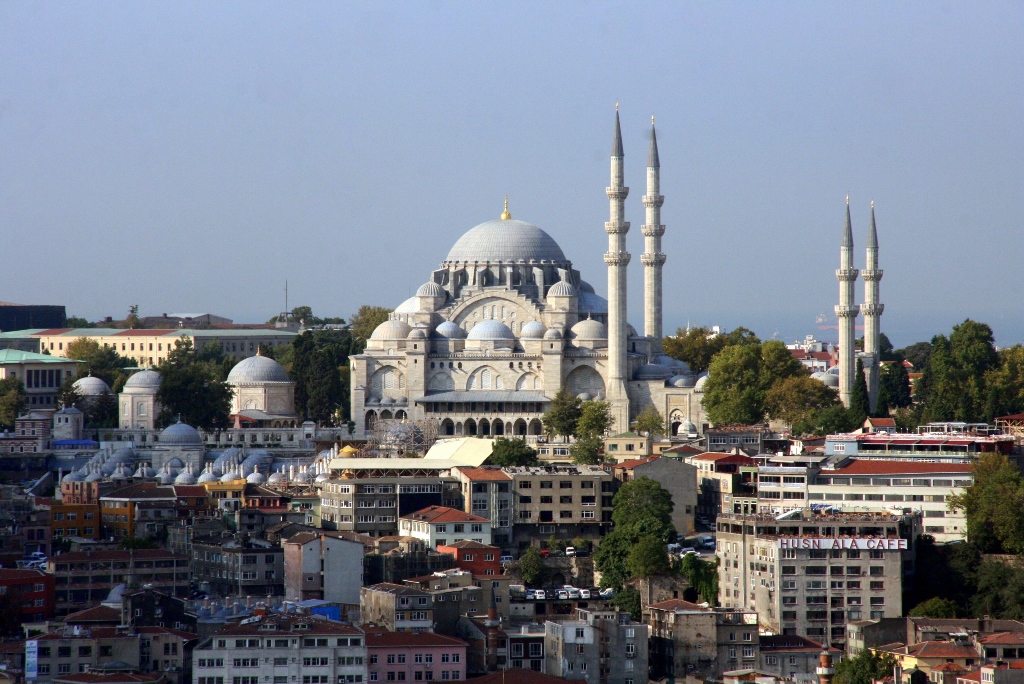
371, 503
405, 656
453, 593
525, 646
934, 443
564, 501
477, 558
722, 477
602, 646
789, 655
237, 566
695, 640
282, 649
323, 566
397, 607
41, 374
85, 578
74, 650
439, 525
35, 590
398, 558
487, 492
677, 477
808, 574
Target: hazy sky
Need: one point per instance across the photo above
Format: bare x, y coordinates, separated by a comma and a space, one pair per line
193, 156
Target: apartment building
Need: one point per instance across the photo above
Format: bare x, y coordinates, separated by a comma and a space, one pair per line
477, 558
440, 525
237, 566
807, 573
564, 501
487, 492
84, 578
453, 593
33, 588
74, 650
788, 655
689, 640
371, 502
414, 656
675, 476
602, 646
321, 566
397, 608
282, 649
723, 479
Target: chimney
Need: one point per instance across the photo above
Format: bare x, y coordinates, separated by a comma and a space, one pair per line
825, 669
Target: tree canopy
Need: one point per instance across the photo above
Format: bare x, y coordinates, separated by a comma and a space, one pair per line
595, 419
363, 322
741, 376
642, 512
798, 398
565, 412
696, 347
953, 386
531, 567
100, 362
12, 401
935, 607
512, 452
649, 421
993, 505
192, 387
586, 450
864, 668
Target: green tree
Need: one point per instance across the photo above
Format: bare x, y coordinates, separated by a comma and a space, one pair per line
610, 558
303, 348
132, 320
78, 322
586, 450
741, 336
1005, 384
893, 388
564, 414
864, 668
702, 576
647, 557
935, 607
796, 399
777, 364
531, 567
324, 388
68, 394
860, 406
595, 419
993, 505
953, 385
508, 452
191, 389
101, 362
696, 347
643, 507
102, 413
917, 354
649, 421
733, 391
12, 401
828, 421
364, 322
627, 600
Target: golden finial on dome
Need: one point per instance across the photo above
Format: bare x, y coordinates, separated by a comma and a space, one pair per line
505, 216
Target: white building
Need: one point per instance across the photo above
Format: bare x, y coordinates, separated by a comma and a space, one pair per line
440, 525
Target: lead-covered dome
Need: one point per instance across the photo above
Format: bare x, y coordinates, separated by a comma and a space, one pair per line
257, 369
430, 289
491, 330
562, 288
180, 434
589, 329
506, 241
144, 380
91, 387
391, 330
534, 330
450, 330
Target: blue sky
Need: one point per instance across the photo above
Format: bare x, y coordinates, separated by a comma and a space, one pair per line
193, 156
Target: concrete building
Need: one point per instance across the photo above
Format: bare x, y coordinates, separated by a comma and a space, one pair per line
564, 501
721, 479
33, 588
440, 525
789, 656
695, 640
407, 656
282, 648
809, 574
679, 478
323, 566
487, 492
397, 607
237, 566
74, 650
597, 646
453, 594
477, 558
41, 374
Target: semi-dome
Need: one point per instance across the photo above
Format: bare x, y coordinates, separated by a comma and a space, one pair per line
417, 334
91, 387
181, 435
144, 380
589, 329
430, 289
589, 302
584, 286
450, 330
553, 334
534, 330
491, 330
256, 369
562, 288
507, 241
652, 371
391, 330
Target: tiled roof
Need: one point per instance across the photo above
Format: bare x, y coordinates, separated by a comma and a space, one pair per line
678, 604
382, 638
483, 474
628, 465
970, 676
187, 636
941, 649
1002, 638
141, 490
115, 554
789, 643
876, 466
469, 544
389, 588
189, 490
717, 456
95, 614
443, 514
519, 676
881, 422
949, 667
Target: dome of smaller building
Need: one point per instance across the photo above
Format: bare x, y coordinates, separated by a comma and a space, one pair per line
583, 396
180, 434
185, 478
257, 369
450, 330
145, 470
72, 477
430, 289
630, 330
144, 380
165, 477
652, 371
562, 288
230, 476
491, 330
322, 477
303, 478
391, 330
675, 364
207, 476
534, 330
553, 334
702, 380
828, 379
417, 334
256, 478
687, 427
686, 380
591, 303
94, 476
589, 329
387, 401
409, 306
91, 387
275, 478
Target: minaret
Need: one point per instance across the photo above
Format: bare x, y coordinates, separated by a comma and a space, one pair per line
872, 310
847, 313
652, 258
617, 258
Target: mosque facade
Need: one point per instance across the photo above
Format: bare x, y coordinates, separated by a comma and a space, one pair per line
506, 321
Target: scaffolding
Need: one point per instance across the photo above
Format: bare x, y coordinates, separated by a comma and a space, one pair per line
397, 438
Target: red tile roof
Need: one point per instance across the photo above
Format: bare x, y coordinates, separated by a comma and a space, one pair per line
1002, 638
440, 514
881, 422
789, 643
877, 466
941, 649
485, 474
467, 544
629, 465
970, 677
719, 457
95, 614
949, 667
147, 332
382, 638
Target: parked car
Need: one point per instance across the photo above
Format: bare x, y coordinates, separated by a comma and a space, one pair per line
531, 594
545, 553
706, 540
563, 594
607, 593
506, 559
541, 595
584, 593
570, 551
687, 550
574, 593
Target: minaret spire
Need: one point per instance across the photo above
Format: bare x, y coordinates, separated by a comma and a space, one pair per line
847, 312
872, 310
617, 258
653, 259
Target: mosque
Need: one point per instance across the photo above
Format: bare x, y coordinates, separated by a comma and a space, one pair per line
506, 321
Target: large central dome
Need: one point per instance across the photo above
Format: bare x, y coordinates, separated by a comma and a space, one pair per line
506, 241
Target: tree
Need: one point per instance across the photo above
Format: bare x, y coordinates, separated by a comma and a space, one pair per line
1005, 384
828, 421
860, 404
512, 452
365, 321
917, 354
741, 336
649, 556
12, 401
953, 385
190, 389
101, 362
564, 414
531, 567
893, 388
935, 608
643, 507
78, 322
649, 421
68, 394
702, 576
132, 320
324, 389
81, 348
796, 399
864, 668
696, 347
777, 364
595, 419
586, 450
733, 392
102, 413
993, 505
627, 600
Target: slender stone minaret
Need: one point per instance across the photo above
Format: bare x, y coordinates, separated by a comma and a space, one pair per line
652, 258
872, 310
846, 311
617, 258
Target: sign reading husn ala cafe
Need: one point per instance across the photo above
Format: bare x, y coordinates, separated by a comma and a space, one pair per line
826, 543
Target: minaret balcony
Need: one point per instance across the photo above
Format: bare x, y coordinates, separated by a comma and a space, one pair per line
872, 309
616, 228
652, 259
871, 275
617, 258
846, 274
617, 193
653, 200
850, 311
650, 230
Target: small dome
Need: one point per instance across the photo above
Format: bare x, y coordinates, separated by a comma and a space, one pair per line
372, 401
687, 427
94, 476
491, 330
591, 303
207, 476
144, 380
553, 334
630, 330
145, 470
589, 329
828, 379
702, 380
450, 330
391, 330
276, 478
165, 477
534, 330
430, 289
675, 364
417, 334
303, 478
91, 387
387, 401
409, 306
652, 371
256, 478
687, 380
185, 478
583, 396
256, 369
180, 434
72, 477
175, 463
229, 477
562, 288
322, 477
